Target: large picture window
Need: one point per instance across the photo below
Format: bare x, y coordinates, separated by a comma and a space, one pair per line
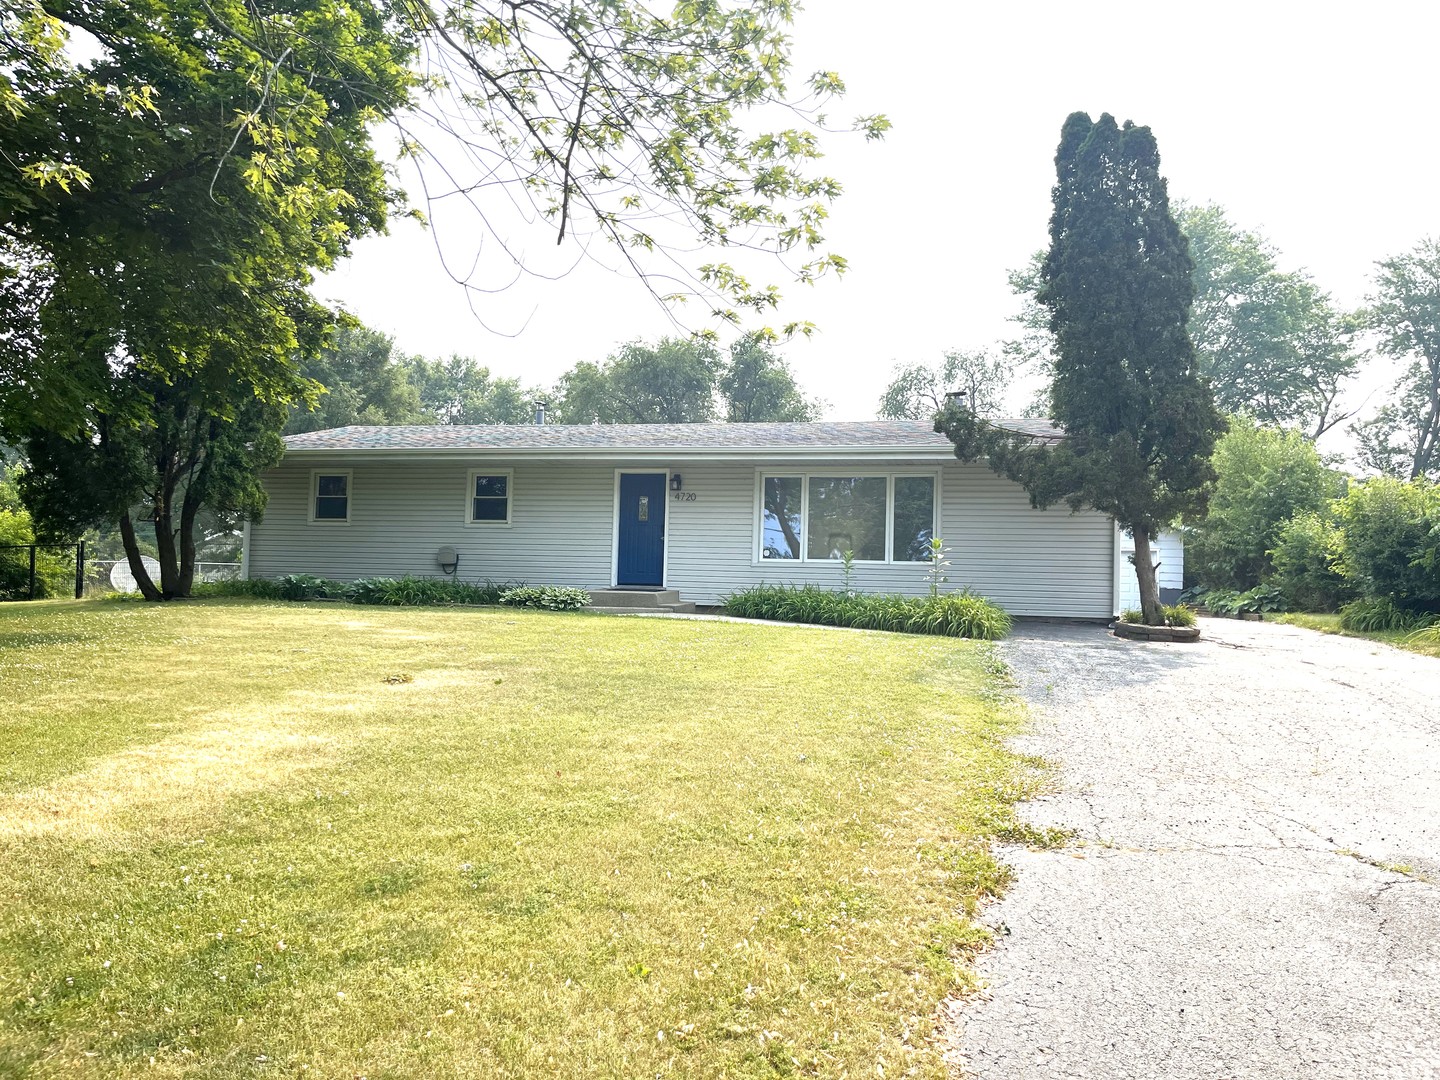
819, 517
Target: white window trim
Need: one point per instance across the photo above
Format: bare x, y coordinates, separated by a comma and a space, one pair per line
315, 475
470, 521
804, 475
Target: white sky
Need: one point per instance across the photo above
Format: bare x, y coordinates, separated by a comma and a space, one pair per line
1314, 124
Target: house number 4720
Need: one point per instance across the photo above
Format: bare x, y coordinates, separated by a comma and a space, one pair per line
682, 496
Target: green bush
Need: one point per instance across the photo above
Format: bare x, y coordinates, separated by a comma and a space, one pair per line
1132, 615
1390, 545
255, 588
421, 591
1307, 558
1179, 615
1370, 616
1230, 602
397, 592
54, 569
549, 597
957, 614
1264, 478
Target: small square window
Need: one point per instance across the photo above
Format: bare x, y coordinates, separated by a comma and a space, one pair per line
330, 501
490, 498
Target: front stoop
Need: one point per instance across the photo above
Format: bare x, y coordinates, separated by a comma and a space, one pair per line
639, 602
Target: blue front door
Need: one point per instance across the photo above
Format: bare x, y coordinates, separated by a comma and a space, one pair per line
641, 558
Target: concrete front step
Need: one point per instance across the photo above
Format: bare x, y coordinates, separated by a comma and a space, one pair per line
684, 608
633, 598
638, 601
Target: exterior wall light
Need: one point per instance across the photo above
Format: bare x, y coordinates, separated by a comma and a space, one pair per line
675, 482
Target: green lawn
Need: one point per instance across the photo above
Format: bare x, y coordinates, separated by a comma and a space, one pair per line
243, 839
1330, 624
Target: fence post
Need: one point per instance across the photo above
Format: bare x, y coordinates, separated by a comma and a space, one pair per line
32, 571
80, 570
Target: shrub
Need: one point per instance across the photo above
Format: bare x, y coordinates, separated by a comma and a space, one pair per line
1179, 615
1426, 635
1307, 558
306, 587
255, 588
550, 597
1132, 615
54, 571
1264, 478
1371, 616
1230, 602
957, 614
1391, 541
421, 591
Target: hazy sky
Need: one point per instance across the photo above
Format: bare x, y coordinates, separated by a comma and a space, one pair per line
1315, 125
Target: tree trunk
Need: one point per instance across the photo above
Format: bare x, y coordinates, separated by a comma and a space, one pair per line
188, 509
132, 556
1150, 608
165, 553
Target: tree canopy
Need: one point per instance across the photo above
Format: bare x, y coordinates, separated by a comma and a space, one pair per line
626, 129
163, 206
683, 381
361, 383
917, 391
1403, 438
1138, 423
1272, 344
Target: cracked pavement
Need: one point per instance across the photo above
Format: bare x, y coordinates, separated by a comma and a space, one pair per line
1254, 885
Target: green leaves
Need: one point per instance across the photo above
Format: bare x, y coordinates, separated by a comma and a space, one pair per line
614, 122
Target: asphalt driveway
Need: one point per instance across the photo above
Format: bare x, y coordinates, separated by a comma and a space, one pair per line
1255, 886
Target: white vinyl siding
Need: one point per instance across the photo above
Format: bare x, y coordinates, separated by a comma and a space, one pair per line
1033, 562
402, 514
562, 530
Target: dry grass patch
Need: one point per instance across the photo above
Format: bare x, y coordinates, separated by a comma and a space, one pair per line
568, 846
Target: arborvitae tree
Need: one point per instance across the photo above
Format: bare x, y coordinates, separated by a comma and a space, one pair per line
1139, 426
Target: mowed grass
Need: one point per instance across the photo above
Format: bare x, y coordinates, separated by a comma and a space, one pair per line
1330, 624
243, 839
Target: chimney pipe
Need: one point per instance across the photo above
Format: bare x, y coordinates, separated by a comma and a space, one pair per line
540, 413
957, 398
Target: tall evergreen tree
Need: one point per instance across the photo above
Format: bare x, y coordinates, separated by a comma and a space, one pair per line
1139, 425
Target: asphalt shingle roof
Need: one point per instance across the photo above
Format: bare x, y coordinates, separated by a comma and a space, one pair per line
871, 434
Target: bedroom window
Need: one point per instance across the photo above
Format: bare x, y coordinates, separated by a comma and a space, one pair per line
489, 499
330, 498
817, 518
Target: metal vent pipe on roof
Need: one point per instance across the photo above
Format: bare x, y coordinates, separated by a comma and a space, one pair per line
540, 413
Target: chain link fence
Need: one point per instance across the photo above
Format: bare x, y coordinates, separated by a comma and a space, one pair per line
40, 571
106, 576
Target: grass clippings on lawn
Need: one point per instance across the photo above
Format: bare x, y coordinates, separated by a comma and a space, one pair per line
244, 839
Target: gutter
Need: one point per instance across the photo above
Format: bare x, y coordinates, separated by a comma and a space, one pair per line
760, 455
